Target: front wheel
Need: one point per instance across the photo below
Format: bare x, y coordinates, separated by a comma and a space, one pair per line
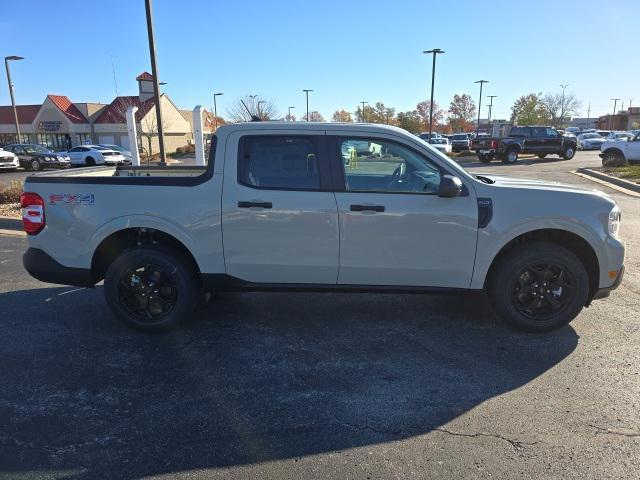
151, 289
539, 287
35, 165
613, 158
484, 158
542, 155
568, 153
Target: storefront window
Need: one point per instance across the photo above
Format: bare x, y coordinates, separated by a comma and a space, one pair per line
8, 138
55, 141
83, 139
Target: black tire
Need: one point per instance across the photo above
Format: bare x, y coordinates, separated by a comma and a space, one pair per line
35, 165
536, 300
90, 162
510, 156
151, 289
613, 158
542, 155
484, 158
568, 153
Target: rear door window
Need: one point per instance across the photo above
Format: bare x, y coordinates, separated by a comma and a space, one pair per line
279, 162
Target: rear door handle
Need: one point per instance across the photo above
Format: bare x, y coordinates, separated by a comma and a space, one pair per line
243, 204
367, 208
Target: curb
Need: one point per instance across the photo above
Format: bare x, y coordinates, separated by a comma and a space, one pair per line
10, 223
625, 184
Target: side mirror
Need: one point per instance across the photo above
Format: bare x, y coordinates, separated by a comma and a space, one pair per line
450, 186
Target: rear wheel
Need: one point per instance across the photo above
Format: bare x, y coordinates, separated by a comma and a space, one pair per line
90, 162
151, 288
613, 158
542, 155
568, 153
539, 287
510, 156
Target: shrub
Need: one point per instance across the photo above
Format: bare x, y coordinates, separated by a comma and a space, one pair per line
11, 193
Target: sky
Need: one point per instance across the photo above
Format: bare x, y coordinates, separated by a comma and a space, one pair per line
346, 51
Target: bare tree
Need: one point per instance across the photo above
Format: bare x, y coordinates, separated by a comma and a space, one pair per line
559, 107
149, 129
258, 107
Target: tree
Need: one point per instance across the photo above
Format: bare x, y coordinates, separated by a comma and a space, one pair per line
461, 112
424, 108
313, 117
367, 115
149, 129
263, 109
341, 116
410, 121
559, 107
528, 110
382, 114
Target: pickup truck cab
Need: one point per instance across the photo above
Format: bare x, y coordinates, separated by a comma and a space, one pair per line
276, 208
538, 140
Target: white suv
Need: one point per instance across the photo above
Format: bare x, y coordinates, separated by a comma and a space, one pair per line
616, 152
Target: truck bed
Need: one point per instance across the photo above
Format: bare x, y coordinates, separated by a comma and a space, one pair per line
120, 171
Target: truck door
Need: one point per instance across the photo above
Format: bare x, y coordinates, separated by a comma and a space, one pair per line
394, 228
279, 215
538, 141
554, 140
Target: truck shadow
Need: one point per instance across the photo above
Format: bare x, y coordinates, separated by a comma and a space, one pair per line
253, 378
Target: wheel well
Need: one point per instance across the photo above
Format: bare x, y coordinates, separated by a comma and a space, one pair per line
617, 150
112, 246
575, 243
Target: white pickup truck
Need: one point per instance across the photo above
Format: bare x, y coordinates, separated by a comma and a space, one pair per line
289, 206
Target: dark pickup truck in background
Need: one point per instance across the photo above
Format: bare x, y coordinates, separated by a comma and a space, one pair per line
537, 140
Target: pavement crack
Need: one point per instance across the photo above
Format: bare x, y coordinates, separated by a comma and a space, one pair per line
610, 431
516, 444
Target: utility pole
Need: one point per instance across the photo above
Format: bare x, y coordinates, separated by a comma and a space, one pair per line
491, 106
307, 90
364, 116
435, 52
215, 110
481, 82
259, 109
615, 104
13, 100
589, 113
156, 87
289, 118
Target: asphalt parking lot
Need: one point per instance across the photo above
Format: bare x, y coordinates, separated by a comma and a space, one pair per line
280, 385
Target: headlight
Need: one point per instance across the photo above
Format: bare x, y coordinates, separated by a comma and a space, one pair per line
614, 222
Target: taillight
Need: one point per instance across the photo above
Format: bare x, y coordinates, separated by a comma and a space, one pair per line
32, 213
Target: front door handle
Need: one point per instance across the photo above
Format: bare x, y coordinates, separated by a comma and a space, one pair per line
244, 204
367, 208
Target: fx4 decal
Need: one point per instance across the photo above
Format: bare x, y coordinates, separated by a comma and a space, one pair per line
72, 199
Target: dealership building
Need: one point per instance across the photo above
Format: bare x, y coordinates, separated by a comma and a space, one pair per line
60, 124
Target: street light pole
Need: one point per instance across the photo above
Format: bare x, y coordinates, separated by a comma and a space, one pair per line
364, 117
13, 100
435, 51
259, 110
615, 104
562, 106
290, 113
156, 86
481, 82
215, 110
491, 97
306, 91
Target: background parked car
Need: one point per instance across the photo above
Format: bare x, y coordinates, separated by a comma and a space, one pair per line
460, 142
590, 141
8, 161
620, 152
126, 153
441, 144
620, 136
36, 157
91, 155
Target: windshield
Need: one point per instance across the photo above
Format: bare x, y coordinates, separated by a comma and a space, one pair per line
36, 149
459, 137
590, 135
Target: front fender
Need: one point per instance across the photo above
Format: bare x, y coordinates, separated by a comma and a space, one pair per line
491, 241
